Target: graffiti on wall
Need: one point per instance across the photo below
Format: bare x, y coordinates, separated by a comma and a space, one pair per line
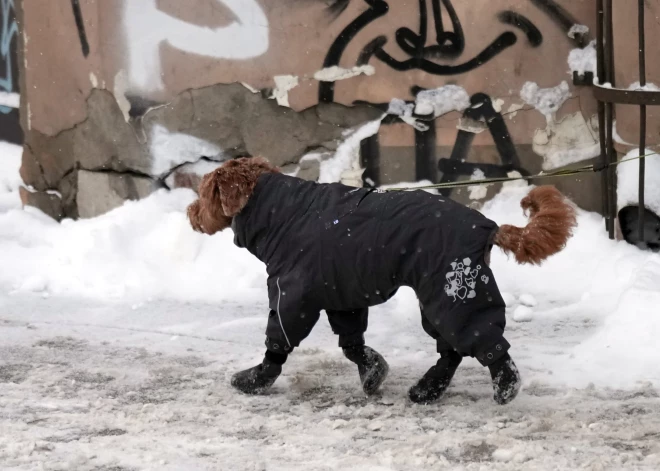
147, 27
80, 24
443, 57
481, 110
449, 42
9, 97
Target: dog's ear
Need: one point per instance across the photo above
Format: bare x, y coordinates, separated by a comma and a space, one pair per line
194, 216
229, 187
234, 186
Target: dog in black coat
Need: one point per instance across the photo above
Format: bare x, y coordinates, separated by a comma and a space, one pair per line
341, 249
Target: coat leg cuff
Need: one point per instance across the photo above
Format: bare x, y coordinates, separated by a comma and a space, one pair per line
494, 352
352, 340
278, 346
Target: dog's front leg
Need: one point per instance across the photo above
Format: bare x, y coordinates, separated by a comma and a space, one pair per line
283, 334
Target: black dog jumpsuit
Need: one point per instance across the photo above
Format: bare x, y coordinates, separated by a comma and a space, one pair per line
341, 249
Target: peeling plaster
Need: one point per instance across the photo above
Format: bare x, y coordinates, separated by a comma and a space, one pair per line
121, 85
335, 73
283, 85
471, 125
568, 141
513, 109
249, 87
498, 103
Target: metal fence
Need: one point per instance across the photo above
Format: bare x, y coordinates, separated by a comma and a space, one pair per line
608, 96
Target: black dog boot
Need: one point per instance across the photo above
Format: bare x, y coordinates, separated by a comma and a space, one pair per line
436, 380
506, 380
257, 379
372, 367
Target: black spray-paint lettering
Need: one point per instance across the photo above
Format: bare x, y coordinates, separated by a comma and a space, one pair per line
449, 42
481, 109
80, 24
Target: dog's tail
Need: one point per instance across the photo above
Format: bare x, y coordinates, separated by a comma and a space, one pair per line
551, 223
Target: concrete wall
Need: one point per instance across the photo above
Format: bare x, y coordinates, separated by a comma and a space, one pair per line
10, 129
134, 94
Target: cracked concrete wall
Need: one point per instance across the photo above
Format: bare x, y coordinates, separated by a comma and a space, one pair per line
155, 93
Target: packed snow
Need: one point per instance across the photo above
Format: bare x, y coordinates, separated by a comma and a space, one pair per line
10, 180
432, 103
171, 149
584, 59
628, 180
119, 335
347, 156
546, 100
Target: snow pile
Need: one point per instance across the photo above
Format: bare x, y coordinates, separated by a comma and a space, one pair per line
628, 180
347, 157
141, 250
584, 60
169, 150
10, 180
545, 100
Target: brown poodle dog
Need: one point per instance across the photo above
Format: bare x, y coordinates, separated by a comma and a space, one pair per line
341, 249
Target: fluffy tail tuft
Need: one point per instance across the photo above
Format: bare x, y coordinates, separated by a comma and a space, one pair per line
551, 223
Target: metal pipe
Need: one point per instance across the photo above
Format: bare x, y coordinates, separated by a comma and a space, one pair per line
600, 50
611, 175
609, 117
642, 119
609, 42
600, 55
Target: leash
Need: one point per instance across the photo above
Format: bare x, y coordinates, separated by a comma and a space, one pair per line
489, 181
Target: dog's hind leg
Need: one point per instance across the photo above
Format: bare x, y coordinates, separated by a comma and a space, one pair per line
436, 380
469, 315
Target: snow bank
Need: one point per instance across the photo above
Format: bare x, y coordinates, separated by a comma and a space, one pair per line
628, 181
609, 284
141, 250
10, 180
147, 249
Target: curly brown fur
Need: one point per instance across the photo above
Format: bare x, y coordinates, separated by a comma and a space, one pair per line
551, 224
224, 192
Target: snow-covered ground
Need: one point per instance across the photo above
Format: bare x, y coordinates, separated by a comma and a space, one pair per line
118, 336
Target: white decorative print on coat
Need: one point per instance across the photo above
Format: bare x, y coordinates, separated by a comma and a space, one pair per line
462, 280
